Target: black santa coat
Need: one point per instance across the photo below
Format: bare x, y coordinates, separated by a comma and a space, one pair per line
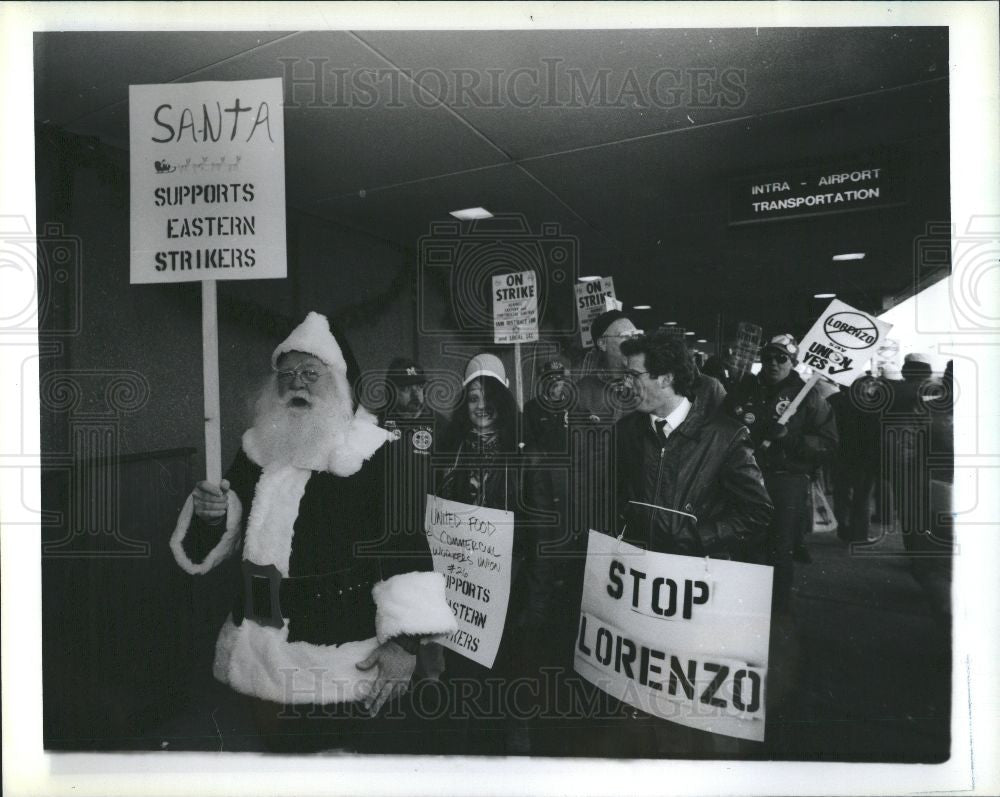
345, 586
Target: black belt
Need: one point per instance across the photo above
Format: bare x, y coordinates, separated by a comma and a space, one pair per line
268, 598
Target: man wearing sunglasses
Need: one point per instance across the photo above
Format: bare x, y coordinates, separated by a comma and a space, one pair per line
793, 453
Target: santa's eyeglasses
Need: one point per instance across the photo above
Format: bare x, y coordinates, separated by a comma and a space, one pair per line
307, 375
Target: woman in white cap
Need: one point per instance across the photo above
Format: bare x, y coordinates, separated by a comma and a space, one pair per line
486, 470
483, 426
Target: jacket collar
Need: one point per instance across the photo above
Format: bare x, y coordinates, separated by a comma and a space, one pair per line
691, 426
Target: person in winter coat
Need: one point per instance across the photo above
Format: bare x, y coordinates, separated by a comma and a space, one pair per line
326, 620
484, 467
677, 451
788, 454
687, 484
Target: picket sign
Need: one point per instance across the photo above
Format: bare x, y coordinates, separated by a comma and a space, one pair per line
515, 318
591, 301
471, 546
837, 347
207, 201
682, 638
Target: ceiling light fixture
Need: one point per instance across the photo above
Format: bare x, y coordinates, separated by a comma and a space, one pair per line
471, 214
702, 340
850, 256
824, 295
669, 323
689, 333
642, 307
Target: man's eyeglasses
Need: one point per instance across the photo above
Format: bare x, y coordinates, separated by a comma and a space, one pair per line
625, 335
306, 375
631, 376
780, 359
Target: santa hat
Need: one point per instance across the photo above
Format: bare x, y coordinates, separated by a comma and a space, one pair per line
313, 337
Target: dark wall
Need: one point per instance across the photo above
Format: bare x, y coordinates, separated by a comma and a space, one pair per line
127, 636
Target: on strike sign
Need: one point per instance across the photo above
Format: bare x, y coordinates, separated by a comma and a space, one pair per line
591, 301
681, 638
515, 308
842, 341
207, 181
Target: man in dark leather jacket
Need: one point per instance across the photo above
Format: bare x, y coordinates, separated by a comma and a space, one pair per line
687, 484
687, 480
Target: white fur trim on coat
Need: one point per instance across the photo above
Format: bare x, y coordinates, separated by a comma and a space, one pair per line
225, 546
364, 437
276, 499
261, 662
313, 337
412, 603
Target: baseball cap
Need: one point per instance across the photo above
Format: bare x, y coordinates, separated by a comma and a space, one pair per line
485, 365
552, 365
784, 344
404, 371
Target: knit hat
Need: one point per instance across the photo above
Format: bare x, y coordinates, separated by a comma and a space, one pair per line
485, 365
602, 322
313, 337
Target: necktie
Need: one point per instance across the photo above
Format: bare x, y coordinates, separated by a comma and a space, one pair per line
662, 428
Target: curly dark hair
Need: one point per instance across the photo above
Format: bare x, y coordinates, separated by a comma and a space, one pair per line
665, 354
499, 396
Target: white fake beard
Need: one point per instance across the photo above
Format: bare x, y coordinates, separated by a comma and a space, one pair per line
304, 437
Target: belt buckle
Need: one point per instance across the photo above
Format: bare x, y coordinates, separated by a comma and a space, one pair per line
257, 579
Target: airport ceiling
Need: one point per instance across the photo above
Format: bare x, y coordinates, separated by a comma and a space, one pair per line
640, 176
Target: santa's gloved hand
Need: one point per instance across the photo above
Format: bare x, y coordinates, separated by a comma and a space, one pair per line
395, 668
210, 500
774, 431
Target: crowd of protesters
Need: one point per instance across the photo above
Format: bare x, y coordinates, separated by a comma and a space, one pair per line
646, 446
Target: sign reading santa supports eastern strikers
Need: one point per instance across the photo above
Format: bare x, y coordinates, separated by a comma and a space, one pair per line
681, 638
842, 341
591, 301
471, 546
515, 308
207, 181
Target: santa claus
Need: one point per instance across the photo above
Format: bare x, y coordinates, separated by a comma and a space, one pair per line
326, 614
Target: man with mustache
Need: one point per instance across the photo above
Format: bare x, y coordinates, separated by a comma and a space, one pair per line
326, 621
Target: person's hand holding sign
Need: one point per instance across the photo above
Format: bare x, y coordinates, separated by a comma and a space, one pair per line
210, 500
774, 431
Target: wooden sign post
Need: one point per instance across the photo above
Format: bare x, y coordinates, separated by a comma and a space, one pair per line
210, 378
515, 318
